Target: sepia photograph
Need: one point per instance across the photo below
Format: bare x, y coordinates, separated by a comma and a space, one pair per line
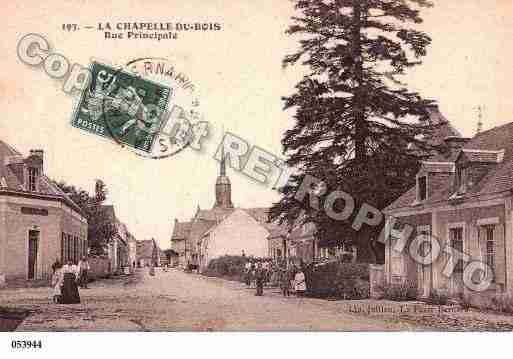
255, 167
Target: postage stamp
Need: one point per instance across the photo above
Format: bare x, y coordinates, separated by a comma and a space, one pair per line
122, 106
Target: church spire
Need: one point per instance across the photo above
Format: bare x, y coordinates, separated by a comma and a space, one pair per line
223, 187
222, 171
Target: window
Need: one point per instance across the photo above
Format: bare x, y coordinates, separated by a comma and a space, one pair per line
69, 246
456, 241
489, 246
76, 247
63, 247
425, 247
462, 180
32, 179
422, 188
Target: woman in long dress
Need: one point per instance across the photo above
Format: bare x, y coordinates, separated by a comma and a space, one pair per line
300, 283
57, 280
70, 294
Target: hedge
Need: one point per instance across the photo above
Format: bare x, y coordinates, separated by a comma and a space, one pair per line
338, 279
227, 266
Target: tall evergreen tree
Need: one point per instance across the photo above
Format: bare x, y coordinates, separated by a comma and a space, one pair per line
357, 127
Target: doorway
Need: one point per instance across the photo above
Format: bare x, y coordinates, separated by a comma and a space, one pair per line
33, 243
425, 277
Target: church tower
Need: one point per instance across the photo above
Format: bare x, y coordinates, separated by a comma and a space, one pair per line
223, 188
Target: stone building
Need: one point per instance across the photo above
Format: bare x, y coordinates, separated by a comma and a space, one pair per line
148, 253
222, 230
38, 222
463, 199
118, 247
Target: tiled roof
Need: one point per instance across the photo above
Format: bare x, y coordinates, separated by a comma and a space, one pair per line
277, 230
181, 230
260, 215
215, 214
483, 156
499, 176
440, 167
10, 182
444, 128
303, 230
199, 228
145, 249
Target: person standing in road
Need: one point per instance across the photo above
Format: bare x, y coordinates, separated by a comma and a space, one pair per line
260, 278
300, 283
57, 281
247, 273
70, 294
84, 267
284, 282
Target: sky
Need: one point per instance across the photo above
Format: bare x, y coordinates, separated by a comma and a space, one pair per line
239, 76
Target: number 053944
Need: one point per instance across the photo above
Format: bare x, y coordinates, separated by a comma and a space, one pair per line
26, 344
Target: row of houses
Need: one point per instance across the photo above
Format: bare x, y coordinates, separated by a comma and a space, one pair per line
40, 224
229, 230
463, 197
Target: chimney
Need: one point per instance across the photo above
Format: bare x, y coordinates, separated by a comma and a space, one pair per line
16, 164
455, 144
36, 159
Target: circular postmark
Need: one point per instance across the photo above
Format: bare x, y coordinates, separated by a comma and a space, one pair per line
148, 106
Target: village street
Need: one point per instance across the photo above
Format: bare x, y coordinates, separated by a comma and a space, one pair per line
174, 301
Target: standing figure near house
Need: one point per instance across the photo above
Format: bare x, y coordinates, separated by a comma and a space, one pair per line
152, 270
56, 265
57, 281
247, 273
260, 274
300, 282
70, 294
84, 267
252, 273
284, 281
291, 273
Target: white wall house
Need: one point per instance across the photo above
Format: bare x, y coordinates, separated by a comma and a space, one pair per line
238, 233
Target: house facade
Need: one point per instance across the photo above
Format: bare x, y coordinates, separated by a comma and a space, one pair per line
462, 200
118, 248
238, 233
148, 253
39, 224
301, 245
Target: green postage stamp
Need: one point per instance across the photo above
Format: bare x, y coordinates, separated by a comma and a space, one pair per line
123, 107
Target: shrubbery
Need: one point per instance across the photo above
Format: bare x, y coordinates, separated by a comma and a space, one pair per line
227, 266
438, 297
502, 303
338, 279
400, 291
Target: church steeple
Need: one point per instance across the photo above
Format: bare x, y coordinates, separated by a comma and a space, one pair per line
223, 188
222, 171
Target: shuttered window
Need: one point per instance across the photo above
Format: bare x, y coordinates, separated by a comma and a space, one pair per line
456, 238
63, 247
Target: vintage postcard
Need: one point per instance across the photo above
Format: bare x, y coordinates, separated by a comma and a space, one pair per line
293, 165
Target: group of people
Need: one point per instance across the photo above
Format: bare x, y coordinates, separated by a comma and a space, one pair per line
67, 278
290, 278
